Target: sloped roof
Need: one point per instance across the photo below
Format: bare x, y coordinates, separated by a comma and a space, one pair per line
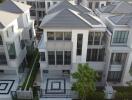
120, 8
64, 18
67, 5
13, 6
4, 20
122, 19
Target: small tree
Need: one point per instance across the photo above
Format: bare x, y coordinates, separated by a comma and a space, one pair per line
85, 81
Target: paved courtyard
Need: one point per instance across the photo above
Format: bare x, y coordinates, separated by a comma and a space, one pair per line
55, 86
6, 86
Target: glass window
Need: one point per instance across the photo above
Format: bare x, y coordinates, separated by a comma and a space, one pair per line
90, 38
48, 4
67, 57
59, 57
42, 55
120, 37
94, 54
51, 57
11, 50
59, 35
88, 55
79, 44
67, 35
90, 5
96, 4
97, 38
50, 35
101, 54
3, 59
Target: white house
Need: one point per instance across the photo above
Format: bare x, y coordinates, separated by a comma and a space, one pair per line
94, 4
16, 33
116, 8
72, 35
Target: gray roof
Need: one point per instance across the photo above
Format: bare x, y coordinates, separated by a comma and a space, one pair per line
13, 6
118, 7
122, 19
90, 19
11, 10
67, 5
64, 18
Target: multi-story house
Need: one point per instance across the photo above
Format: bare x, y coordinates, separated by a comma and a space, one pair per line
116, 8
16, 33
119, 48
71, 35
94, 4
38, 11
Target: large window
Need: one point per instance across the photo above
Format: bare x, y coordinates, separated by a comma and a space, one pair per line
51, 57
67, 57
59, 36
95, 38
42, 55
50, 35
90, 5
95, 55
67, 35
114, 76
59, 57
120, 37
11, 50
3, 59
79, 44
118, 58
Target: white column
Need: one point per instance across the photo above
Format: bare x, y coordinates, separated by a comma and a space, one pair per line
127, 68
41, 74
84, 46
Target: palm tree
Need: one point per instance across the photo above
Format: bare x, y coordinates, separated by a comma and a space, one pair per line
85, 81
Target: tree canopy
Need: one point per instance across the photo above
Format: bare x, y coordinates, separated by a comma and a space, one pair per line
85, 83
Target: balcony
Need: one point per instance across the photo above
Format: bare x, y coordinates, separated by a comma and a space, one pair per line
62, 45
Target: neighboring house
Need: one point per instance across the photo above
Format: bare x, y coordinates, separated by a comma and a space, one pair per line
94, 4
16, 33
38, 11
117, 8
120, 28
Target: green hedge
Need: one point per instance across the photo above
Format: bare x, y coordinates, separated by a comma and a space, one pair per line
36, 66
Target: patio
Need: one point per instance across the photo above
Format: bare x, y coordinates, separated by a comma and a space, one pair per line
54, 86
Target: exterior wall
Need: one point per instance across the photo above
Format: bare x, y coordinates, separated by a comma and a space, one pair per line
101, 3
19, 25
